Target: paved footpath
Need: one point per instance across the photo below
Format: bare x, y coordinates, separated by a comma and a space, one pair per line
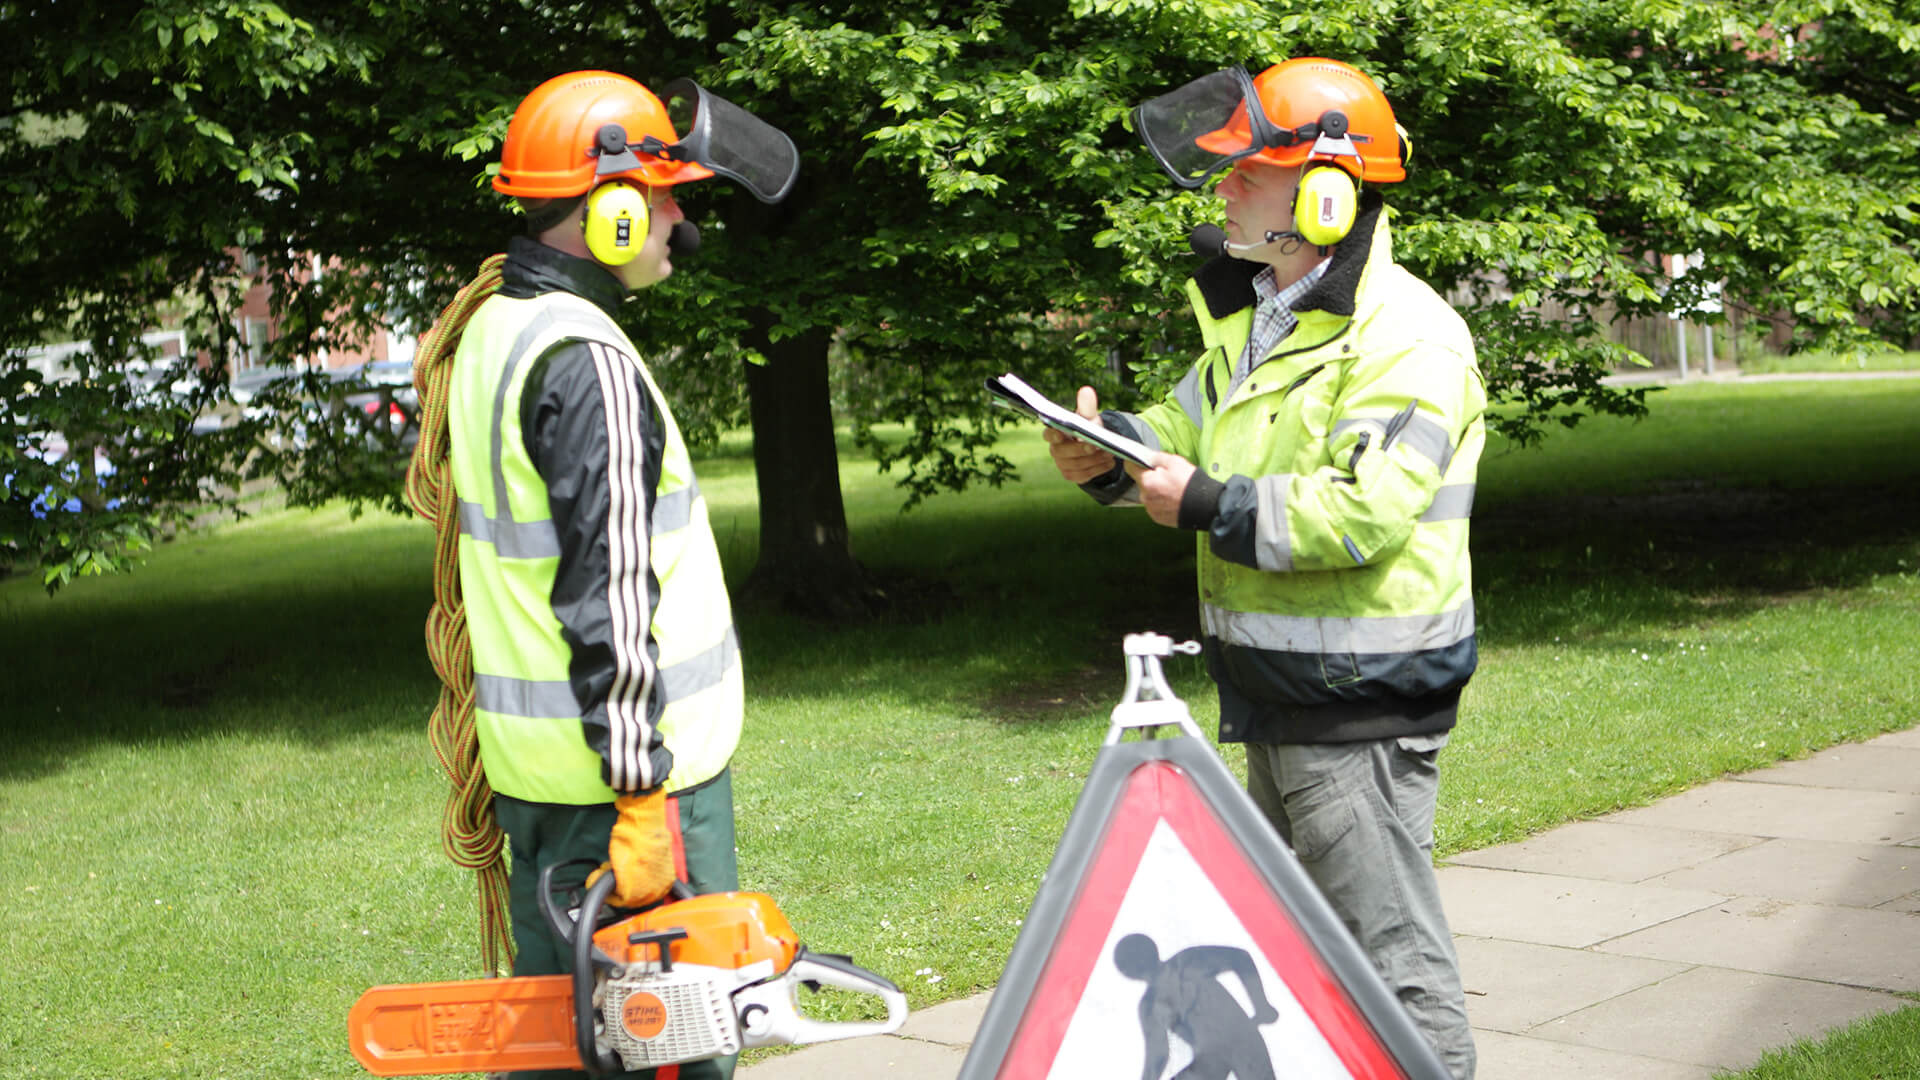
1663, 943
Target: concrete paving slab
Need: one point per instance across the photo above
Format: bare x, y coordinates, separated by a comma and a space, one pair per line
1510, 1057
884, 1055
951, 1022
1607, 850
1849, 875
1512, 986
1716, 1017
1803, 813
1548, 909
1682, 978
1908, 738
1854, 946
1855, 767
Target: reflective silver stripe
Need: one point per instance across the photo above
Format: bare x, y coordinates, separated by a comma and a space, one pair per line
1423, 434
1188, 395
540, 699
517, 539
1272, 548
524, 697
510, 539
1451, 503
1142, 432
1306, 634
1342, 425
700, 671
674, 510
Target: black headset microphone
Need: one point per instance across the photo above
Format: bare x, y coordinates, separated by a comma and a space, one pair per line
1211, 240
683, 239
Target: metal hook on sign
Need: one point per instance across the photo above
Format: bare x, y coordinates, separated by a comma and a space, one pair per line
1143, 652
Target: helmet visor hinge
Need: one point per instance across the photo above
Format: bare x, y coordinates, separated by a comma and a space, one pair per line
616, 154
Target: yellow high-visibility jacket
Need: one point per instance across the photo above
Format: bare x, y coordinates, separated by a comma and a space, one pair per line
1333, 494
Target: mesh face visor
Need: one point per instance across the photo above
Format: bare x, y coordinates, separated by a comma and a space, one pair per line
732, 141
1205, 126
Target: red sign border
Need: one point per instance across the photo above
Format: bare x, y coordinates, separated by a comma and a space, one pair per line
1096, 859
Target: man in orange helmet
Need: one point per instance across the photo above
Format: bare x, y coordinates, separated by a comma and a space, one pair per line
1324, 451
607, 687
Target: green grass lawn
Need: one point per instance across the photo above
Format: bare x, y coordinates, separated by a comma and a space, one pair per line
1884, 1047
1761, 363
219, 816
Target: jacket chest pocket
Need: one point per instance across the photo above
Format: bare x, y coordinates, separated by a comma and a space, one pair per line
1281, 417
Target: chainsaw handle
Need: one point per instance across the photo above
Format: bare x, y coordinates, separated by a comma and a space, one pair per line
561, 924
557, 920
770, 1013
594, 1057
597, 1059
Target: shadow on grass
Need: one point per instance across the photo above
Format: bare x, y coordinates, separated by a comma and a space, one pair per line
1577, 566
312, 661
1021, 623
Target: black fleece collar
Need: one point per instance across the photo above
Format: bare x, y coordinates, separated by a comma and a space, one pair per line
533, 268
1226, 283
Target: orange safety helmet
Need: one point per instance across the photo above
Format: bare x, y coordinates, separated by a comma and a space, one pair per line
1296, 96
1300, 110
554, 141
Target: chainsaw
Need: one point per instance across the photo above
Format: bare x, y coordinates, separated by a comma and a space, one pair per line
694, 978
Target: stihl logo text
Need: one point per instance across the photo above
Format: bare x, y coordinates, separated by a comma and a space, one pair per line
456, 1028
644, 1015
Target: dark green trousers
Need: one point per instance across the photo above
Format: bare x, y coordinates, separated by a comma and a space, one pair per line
543, 834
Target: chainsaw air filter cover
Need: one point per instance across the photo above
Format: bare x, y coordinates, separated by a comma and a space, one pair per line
659, 1018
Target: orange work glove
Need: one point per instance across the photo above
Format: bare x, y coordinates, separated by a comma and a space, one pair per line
640, 852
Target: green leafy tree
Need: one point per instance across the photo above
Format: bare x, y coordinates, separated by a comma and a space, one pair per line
971, 202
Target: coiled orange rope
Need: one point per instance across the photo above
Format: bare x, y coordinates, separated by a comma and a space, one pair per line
469, 834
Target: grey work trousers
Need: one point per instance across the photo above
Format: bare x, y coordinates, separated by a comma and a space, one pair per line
1360, 818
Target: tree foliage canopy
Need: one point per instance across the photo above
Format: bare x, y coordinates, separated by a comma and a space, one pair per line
971, 201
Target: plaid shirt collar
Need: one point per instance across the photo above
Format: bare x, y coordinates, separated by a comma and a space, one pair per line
1273, 317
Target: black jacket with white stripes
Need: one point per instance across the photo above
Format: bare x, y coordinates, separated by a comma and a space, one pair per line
564, 422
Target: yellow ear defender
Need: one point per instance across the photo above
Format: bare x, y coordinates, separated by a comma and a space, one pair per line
617, 222
1324, 205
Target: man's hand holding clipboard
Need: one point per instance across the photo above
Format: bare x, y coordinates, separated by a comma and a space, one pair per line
1084, 425
1084, 449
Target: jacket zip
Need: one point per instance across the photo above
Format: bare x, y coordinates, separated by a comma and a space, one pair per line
1353, 463
1307, 349
1302, 380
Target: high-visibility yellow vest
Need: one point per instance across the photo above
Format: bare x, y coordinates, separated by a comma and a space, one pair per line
529, 723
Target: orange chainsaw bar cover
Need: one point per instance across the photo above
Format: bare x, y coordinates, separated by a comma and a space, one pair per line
476, 1025
527, 1022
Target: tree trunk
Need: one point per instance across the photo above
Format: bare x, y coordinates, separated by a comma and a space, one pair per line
806, 565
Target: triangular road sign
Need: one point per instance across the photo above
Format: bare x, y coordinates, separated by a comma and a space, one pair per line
1174, 929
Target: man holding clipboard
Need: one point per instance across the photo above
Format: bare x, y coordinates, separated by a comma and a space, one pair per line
1324, 449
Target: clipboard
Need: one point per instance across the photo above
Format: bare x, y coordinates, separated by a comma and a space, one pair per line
1011, 391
